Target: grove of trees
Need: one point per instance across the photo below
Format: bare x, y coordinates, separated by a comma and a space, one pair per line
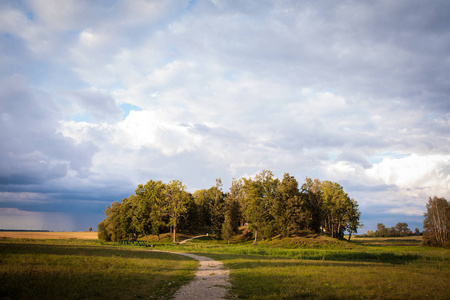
437, 223
401, 229
268, 205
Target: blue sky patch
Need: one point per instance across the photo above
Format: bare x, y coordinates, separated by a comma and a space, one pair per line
127, 107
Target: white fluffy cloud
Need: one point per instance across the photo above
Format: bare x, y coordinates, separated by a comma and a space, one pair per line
353, 92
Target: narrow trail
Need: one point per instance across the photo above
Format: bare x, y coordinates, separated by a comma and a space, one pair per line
195, 237
211, 280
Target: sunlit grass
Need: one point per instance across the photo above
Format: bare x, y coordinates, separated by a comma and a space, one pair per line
35, 270
277, 269
379, 269
272, 278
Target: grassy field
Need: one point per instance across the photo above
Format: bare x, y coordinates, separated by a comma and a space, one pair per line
84, 235
314, 267
324, 268
76, 269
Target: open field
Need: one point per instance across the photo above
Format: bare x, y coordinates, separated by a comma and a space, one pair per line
59, 270
393, 268
83, 235
296, 268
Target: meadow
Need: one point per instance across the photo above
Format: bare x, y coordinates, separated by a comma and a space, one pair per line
83, 235
296, 268
84, 269
324, 268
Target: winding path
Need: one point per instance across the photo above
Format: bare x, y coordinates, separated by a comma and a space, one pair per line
211, 280
195, 237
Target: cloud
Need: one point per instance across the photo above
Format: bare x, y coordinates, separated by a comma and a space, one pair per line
16, 219
348, 91
32, 151
395, 185
99, 106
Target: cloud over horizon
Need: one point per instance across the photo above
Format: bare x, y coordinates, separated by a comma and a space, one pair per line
97, 97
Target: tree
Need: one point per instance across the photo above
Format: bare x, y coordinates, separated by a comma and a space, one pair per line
312, 204
402, 229
288, 211
437, 222
203, 208
336, 208
353, 218
90, 229
381, 230
258, 196
103, 233
216, 200
232, 217
176, 199
151, 213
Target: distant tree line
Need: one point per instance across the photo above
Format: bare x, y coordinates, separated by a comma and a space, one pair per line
436, 225
401, 229
267, 205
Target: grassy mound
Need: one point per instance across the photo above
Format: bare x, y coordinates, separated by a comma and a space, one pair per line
309, 241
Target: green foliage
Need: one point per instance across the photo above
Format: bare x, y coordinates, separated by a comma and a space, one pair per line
270, 207
232, 217
260, 195
399, 230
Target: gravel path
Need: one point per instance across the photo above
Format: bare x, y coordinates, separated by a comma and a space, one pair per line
210, 283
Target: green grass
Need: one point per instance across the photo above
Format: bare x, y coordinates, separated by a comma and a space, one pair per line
83, 270
276, 278
296, 268
332, 269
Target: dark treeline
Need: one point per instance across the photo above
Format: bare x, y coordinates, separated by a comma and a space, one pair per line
400, 229
269, 206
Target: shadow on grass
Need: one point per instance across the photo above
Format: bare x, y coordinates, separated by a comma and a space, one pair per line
43, 271
82, 250
37, 284
367, 257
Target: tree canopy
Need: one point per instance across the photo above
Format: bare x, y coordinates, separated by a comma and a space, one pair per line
269, 206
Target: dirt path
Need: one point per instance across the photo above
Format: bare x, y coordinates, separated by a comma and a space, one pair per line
195, 237
210, 283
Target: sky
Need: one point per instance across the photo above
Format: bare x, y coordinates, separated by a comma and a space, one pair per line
97, 97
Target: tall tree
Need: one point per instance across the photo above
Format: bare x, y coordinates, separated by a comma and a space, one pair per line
312, 203
337, 208
152, 209
437, 222
353, 218
216, 200
203, 208
232, 210
176, 199
259, 194
288, 213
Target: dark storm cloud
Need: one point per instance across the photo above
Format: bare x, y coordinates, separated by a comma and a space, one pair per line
31, 150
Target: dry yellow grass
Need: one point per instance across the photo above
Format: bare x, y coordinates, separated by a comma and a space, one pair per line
83, 235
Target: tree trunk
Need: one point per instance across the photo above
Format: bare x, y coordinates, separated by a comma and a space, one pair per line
256, 237
175, 233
